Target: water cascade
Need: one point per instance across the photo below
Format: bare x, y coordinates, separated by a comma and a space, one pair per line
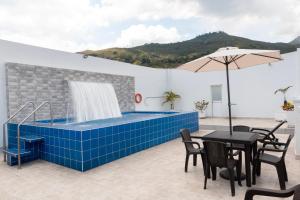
93, 101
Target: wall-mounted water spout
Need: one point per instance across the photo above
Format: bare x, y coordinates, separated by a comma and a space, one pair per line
93, 100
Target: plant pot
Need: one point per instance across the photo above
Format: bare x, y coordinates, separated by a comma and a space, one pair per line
291, 118
280, 116
202, 114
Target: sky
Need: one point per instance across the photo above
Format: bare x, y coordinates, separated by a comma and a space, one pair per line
76, 25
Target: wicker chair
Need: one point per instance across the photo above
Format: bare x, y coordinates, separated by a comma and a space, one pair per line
191, 149
218, 155
277, 161
268, 135
244, 130
294, 191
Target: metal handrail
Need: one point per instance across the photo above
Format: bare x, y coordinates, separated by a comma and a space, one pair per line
10, 118
19, 125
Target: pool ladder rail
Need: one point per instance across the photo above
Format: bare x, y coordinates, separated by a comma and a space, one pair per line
8, 120
18, 152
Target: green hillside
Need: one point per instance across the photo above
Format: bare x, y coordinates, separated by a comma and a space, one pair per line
174, 54
296, 41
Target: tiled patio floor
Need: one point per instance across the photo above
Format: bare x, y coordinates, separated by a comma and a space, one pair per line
153, 174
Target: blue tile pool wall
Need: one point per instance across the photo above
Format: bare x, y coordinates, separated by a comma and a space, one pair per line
59, 146
13, 143
83, 150
62, 147
107, 144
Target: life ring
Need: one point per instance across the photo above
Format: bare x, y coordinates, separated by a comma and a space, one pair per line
138, 98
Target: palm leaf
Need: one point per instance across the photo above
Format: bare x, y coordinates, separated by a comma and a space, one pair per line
170, 96
282, 90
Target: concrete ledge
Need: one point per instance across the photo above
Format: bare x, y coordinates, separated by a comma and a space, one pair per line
297, 157
225, 128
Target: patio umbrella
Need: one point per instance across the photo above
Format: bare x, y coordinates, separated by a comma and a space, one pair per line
231, 58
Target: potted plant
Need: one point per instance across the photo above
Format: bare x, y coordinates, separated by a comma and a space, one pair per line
201, 106
287, 107
171, 97
283, 91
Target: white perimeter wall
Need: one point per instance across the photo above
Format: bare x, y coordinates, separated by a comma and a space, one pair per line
252, 89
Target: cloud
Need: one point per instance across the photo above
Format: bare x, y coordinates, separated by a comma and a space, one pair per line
75, 25
260, 19
116, 10
56, 24
140, 34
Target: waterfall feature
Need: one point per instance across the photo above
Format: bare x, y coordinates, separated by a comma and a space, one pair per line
93, 100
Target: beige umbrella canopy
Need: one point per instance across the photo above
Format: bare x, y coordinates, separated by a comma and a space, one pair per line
231, 58
235, 57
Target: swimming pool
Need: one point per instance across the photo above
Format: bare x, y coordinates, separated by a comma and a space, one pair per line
83, 146
127, 117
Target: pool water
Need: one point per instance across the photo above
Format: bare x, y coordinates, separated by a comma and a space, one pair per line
127, 117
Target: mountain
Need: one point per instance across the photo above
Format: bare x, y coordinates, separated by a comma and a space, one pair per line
174, 54
296, 41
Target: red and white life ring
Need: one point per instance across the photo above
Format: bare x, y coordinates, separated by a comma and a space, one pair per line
138, 98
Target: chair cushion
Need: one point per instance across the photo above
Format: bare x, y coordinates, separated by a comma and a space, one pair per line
196, 151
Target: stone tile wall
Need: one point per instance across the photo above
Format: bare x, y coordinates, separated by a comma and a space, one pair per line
35, 83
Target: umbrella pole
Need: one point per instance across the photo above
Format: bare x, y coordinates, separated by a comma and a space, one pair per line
229, 102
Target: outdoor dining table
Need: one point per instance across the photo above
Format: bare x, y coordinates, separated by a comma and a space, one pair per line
248, 139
